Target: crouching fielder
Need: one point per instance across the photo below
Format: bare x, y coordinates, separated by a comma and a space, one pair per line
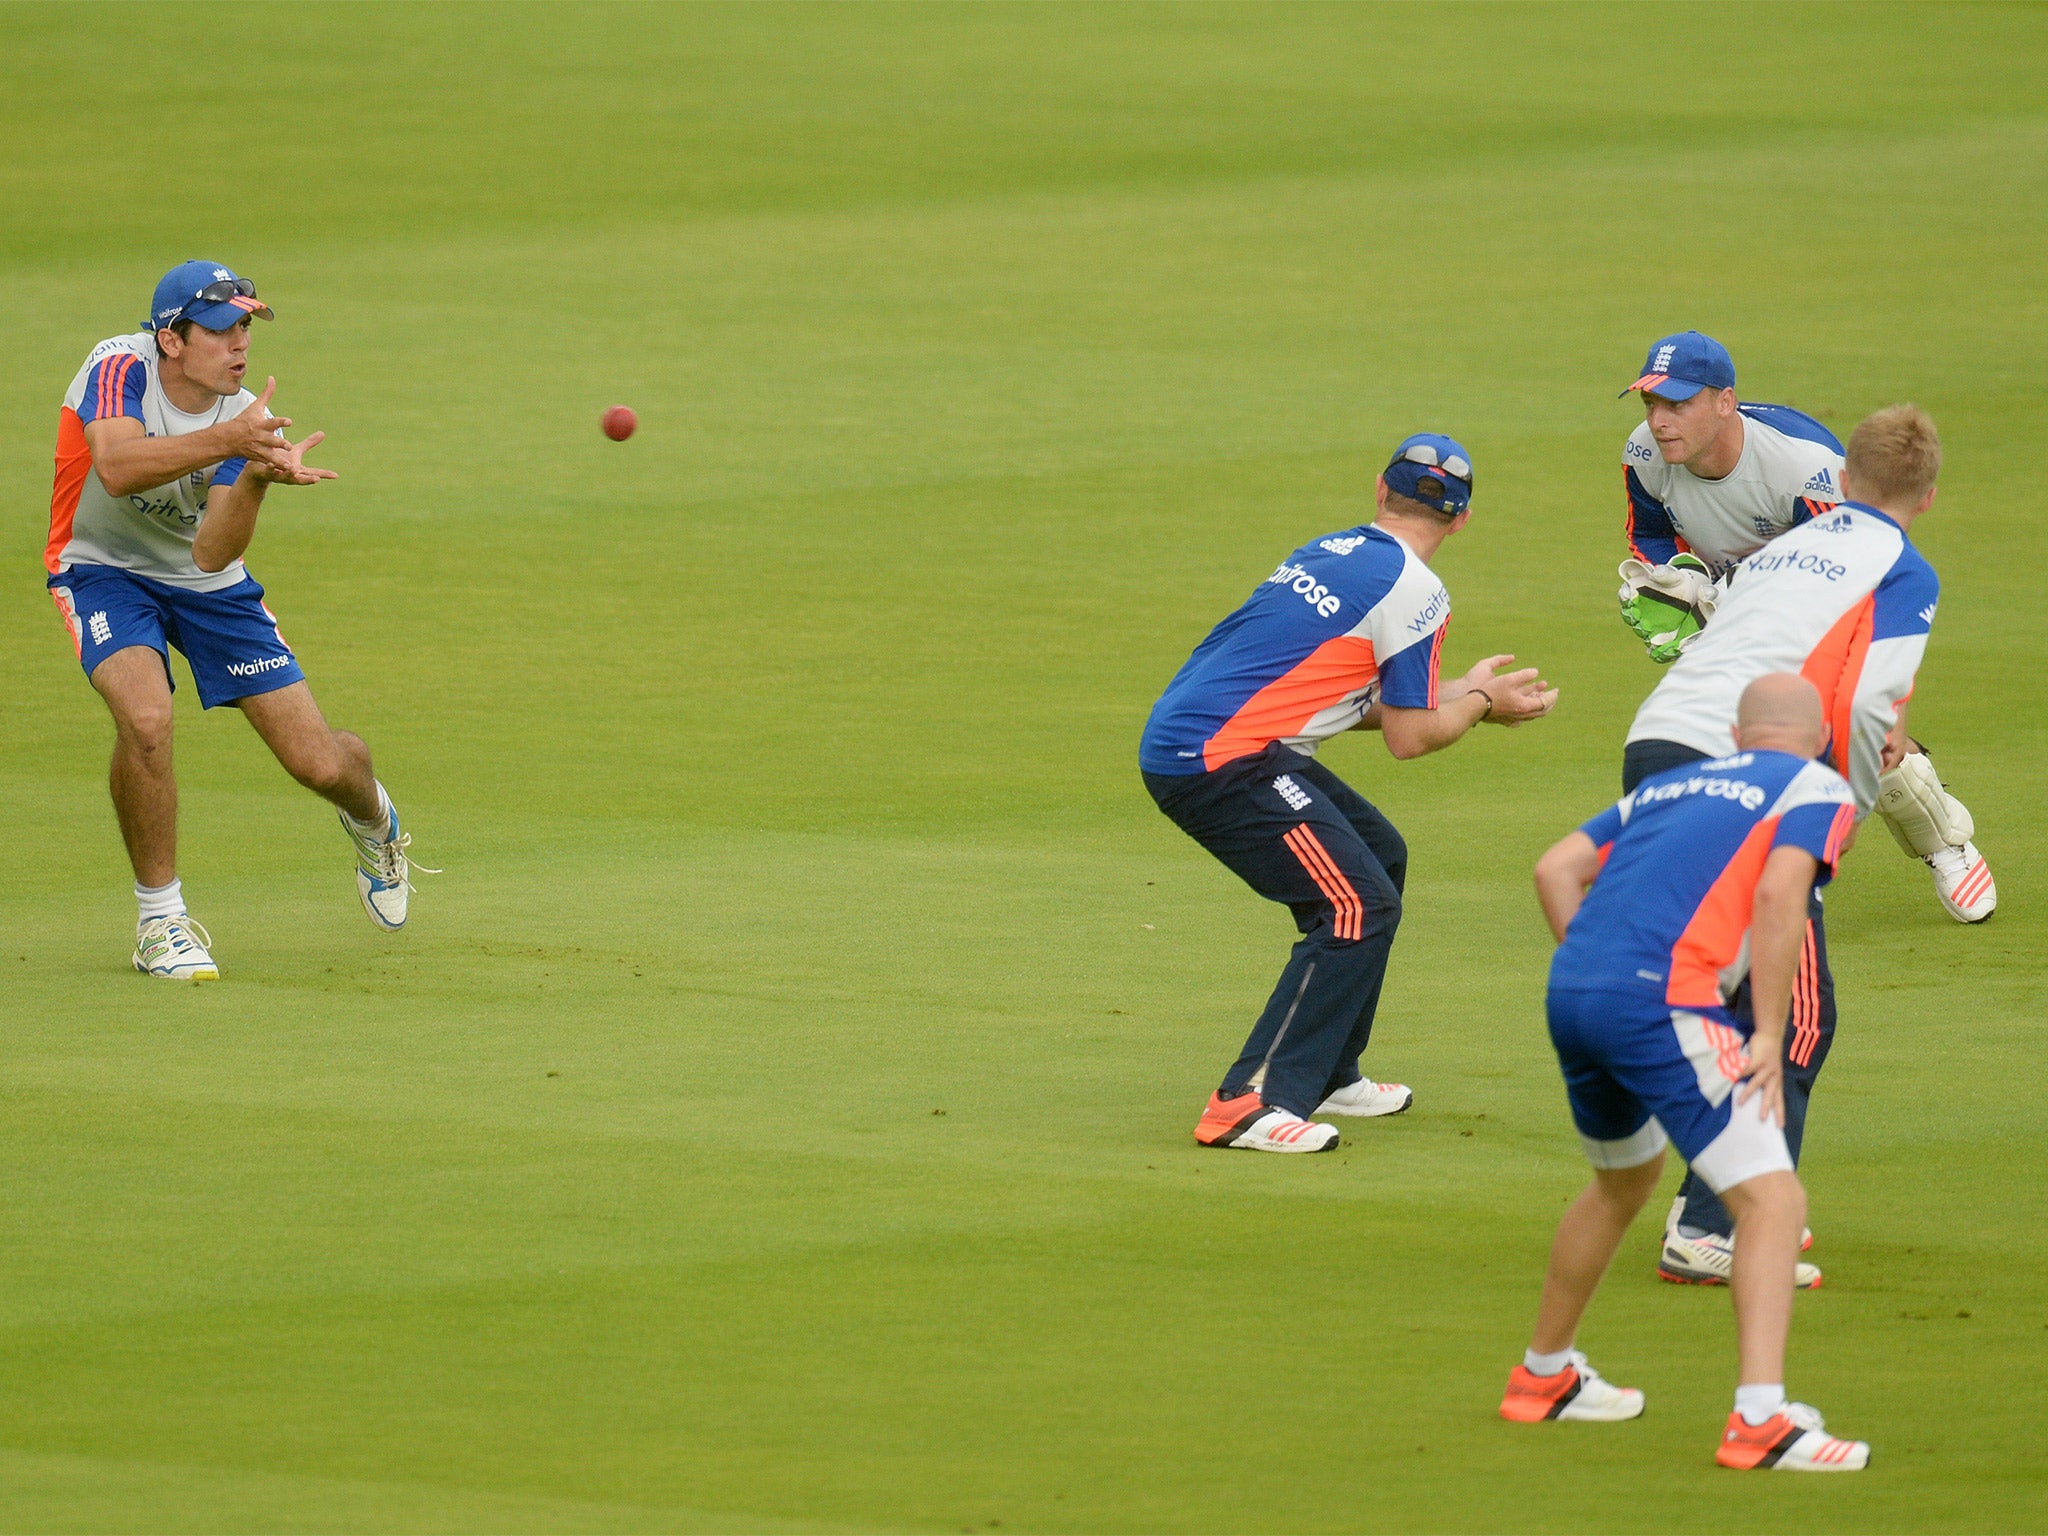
1346, 635
1658, 904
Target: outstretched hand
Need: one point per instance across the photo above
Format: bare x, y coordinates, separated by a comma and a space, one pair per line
256, 435
1517, 696
290, 467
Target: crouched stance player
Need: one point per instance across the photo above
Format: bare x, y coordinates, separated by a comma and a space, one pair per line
163, 459
1695, 870
1346, 634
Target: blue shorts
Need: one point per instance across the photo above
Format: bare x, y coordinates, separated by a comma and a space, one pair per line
1638, 1070
229, 637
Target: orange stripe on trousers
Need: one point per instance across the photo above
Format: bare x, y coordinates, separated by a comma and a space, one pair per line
1350, 910
1806, 1002
1322, 869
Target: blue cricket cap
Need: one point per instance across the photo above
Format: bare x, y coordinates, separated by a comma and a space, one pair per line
1680, 366
207, 294
1432, 469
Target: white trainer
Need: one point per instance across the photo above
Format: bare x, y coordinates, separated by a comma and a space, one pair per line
1281, 1130
1576, 1392
1367, 1098
383, 870
1671, 1221
1709, 1259
174, 948
1794, 1439
1963, 882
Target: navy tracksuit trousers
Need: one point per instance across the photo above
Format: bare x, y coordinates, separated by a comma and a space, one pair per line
1808, 1034
1297, 834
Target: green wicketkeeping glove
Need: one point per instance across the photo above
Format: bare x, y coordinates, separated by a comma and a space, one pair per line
1667, 605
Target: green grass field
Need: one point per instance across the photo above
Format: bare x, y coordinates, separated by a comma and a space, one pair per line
776, 1118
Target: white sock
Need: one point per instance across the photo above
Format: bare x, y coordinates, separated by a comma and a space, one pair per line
159, 900
379, 830
1758, 1403
1545, 1365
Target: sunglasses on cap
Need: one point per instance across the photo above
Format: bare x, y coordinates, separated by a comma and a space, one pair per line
1453, 465
239, 291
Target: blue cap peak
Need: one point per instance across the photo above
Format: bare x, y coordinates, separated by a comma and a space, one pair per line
207, 294
1680, 366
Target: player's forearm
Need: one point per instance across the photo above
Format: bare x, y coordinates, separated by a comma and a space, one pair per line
1419, 732
1563, 875
1651, 549
132, 464
1777, 932
1560, 897
230, 523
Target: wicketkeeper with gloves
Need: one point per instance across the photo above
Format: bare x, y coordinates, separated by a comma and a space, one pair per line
1710, 481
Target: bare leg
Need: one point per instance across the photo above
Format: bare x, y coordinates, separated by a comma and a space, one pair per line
335, 765
1769, 1210
145, 790
1586, 1240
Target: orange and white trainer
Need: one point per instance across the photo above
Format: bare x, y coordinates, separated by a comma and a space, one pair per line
1709, 1259
1963, 882
1794, 1439
1246, 1123
1576, 1392
1368, 1099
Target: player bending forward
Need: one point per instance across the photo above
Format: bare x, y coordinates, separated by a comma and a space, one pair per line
1846, 601
163, 459
1710, 480
1346, 634
1701, 870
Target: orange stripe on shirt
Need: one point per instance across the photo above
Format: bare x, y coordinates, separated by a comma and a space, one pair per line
1834, 667
74, 463
1281, 708
113, 381
1713, 938
1329, 879
1838, 833
1629, 526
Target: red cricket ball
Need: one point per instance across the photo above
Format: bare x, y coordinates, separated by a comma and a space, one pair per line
619, 423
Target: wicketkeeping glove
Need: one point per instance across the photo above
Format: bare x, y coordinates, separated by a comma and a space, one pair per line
1667, 605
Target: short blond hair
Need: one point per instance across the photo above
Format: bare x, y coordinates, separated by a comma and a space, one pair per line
1894, 454
1408, 506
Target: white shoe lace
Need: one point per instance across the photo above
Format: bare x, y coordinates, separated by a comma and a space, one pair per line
394, 865
177, 931
1806, 1416
1952, 862
1597, 1388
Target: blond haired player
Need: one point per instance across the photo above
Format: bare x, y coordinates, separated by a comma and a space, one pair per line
1710, 480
